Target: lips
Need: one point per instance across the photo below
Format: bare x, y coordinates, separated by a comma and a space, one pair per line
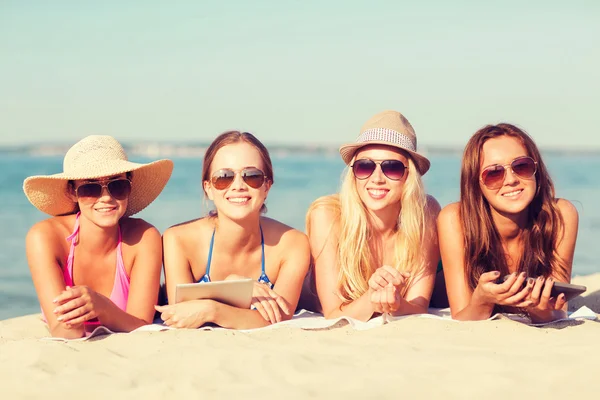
512, 193
377, 193
105, 209
239, 200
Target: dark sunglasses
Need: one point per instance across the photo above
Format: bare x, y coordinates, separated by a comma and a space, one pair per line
117, 188
493, 176
364, 168
223, 178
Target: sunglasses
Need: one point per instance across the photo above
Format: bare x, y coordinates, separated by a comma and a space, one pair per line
493, 176
364, 168
252, 177
117, 188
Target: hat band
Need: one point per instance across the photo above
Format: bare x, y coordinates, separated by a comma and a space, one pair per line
387, 135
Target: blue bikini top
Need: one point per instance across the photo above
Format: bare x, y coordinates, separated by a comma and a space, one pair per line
263, 275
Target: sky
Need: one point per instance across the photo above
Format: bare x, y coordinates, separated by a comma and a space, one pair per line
298, 72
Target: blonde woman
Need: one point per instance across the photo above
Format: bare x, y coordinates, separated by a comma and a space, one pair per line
90, 262
374, 245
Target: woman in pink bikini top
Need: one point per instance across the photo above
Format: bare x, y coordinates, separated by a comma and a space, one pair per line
90, 263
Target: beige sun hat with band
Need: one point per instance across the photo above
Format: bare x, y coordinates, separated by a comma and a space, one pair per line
389, 128
94, 157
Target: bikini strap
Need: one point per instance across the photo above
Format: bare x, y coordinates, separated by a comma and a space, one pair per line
206, 277
75, 229
263, 275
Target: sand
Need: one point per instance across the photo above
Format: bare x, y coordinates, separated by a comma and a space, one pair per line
411, 358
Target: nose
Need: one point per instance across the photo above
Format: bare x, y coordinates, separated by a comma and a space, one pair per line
238, 182
377, 175
510, 177
105, 192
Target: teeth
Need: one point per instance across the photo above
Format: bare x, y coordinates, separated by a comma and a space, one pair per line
514, 193
239, 200
104, 209
377, 192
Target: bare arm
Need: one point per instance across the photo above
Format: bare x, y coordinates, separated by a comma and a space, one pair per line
177, 266
293, 270
565, 251
43, 252
460, 296
419, 293
323, 241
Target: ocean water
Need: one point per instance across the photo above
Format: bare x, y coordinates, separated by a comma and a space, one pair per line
299, 179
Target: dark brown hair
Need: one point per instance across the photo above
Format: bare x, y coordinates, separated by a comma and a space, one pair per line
232, 137
483, 246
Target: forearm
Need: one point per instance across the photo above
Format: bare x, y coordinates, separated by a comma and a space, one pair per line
410, 308
474, 311
538, 316
60, 330
118, 320
361, 309
230, 317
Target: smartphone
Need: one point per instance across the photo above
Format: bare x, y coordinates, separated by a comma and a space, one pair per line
570, 290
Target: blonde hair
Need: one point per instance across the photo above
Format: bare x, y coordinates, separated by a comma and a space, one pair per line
355, 256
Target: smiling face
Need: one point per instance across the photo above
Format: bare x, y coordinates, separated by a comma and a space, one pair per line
239, 200
96, 201
378, 192
516, 192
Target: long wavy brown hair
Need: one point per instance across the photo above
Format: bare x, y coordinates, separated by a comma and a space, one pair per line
484, 251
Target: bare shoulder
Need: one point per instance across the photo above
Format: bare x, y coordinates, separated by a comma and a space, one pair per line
136, 230
51, 229
278, 232
567, 210
324, 212
449, 217
190, 228
432, 207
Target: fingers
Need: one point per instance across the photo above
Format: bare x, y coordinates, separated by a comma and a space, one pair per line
518, 297
69, 306
78, 315
67, 294
386, 300
546, 292
376, 301
395, 277
512, 285
391, 295
377, 281
561, 300
260, 308
487, 277
536, 291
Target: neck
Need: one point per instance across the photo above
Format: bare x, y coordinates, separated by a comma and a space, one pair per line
510, 226
96, 239
238, 235
385, 222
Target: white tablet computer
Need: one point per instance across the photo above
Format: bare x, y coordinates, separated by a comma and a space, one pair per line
237, 293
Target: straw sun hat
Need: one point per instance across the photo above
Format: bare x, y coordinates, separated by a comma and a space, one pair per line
91, 158
389, 128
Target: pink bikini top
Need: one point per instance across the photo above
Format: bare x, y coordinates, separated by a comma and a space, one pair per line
120, 291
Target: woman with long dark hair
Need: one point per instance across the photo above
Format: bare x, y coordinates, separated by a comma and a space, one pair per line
508, 239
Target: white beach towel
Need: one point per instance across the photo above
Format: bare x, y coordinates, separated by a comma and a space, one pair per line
308, 320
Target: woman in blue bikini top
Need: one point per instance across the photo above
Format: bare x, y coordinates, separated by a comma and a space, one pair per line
237, 174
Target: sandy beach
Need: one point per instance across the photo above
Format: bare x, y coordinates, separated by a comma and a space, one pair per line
415, 357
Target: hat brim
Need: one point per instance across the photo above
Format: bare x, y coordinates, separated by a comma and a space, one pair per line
348, 151
49, 194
